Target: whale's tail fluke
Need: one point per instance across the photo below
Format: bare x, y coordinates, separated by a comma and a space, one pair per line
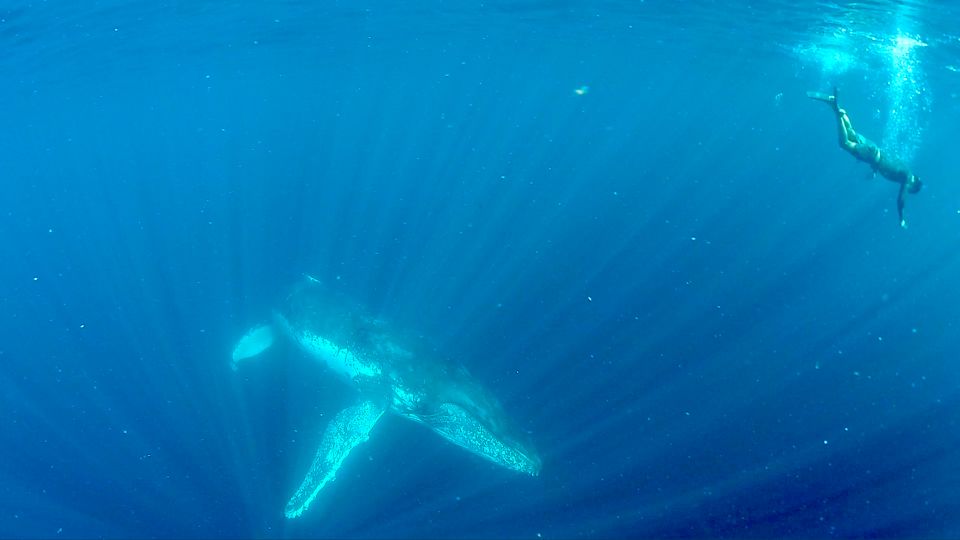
350, 428
253, 343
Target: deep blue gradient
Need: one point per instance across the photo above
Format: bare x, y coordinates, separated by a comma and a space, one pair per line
703, 311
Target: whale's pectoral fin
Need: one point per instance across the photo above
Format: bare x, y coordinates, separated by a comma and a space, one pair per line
458, 426
350, 428
254, 342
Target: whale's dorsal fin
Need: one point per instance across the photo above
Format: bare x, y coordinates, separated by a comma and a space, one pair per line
254, 342
348, 429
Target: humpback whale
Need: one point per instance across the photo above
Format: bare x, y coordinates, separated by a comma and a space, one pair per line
392, 373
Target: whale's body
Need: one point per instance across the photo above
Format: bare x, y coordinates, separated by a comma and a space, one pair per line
392, 373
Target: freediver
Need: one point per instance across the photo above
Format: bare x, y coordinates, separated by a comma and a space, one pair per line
868, 152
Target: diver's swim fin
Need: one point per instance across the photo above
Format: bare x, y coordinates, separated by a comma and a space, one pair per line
826, 98
819, 96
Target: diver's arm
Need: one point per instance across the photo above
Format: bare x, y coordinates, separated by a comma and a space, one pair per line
900, 202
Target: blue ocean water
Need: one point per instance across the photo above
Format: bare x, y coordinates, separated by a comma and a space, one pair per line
625, 218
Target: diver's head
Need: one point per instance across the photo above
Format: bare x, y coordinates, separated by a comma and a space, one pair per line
915, 185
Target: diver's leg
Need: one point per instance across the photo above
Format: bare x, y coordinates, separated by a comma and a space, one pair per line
846, 134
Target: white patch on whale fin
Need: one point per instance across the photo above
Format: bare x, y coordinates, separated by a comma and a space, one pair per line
345, 432
253, 343
462, 428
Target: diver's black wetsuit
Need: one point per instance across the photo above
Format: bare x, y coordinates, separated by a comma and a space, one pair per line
868, 152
